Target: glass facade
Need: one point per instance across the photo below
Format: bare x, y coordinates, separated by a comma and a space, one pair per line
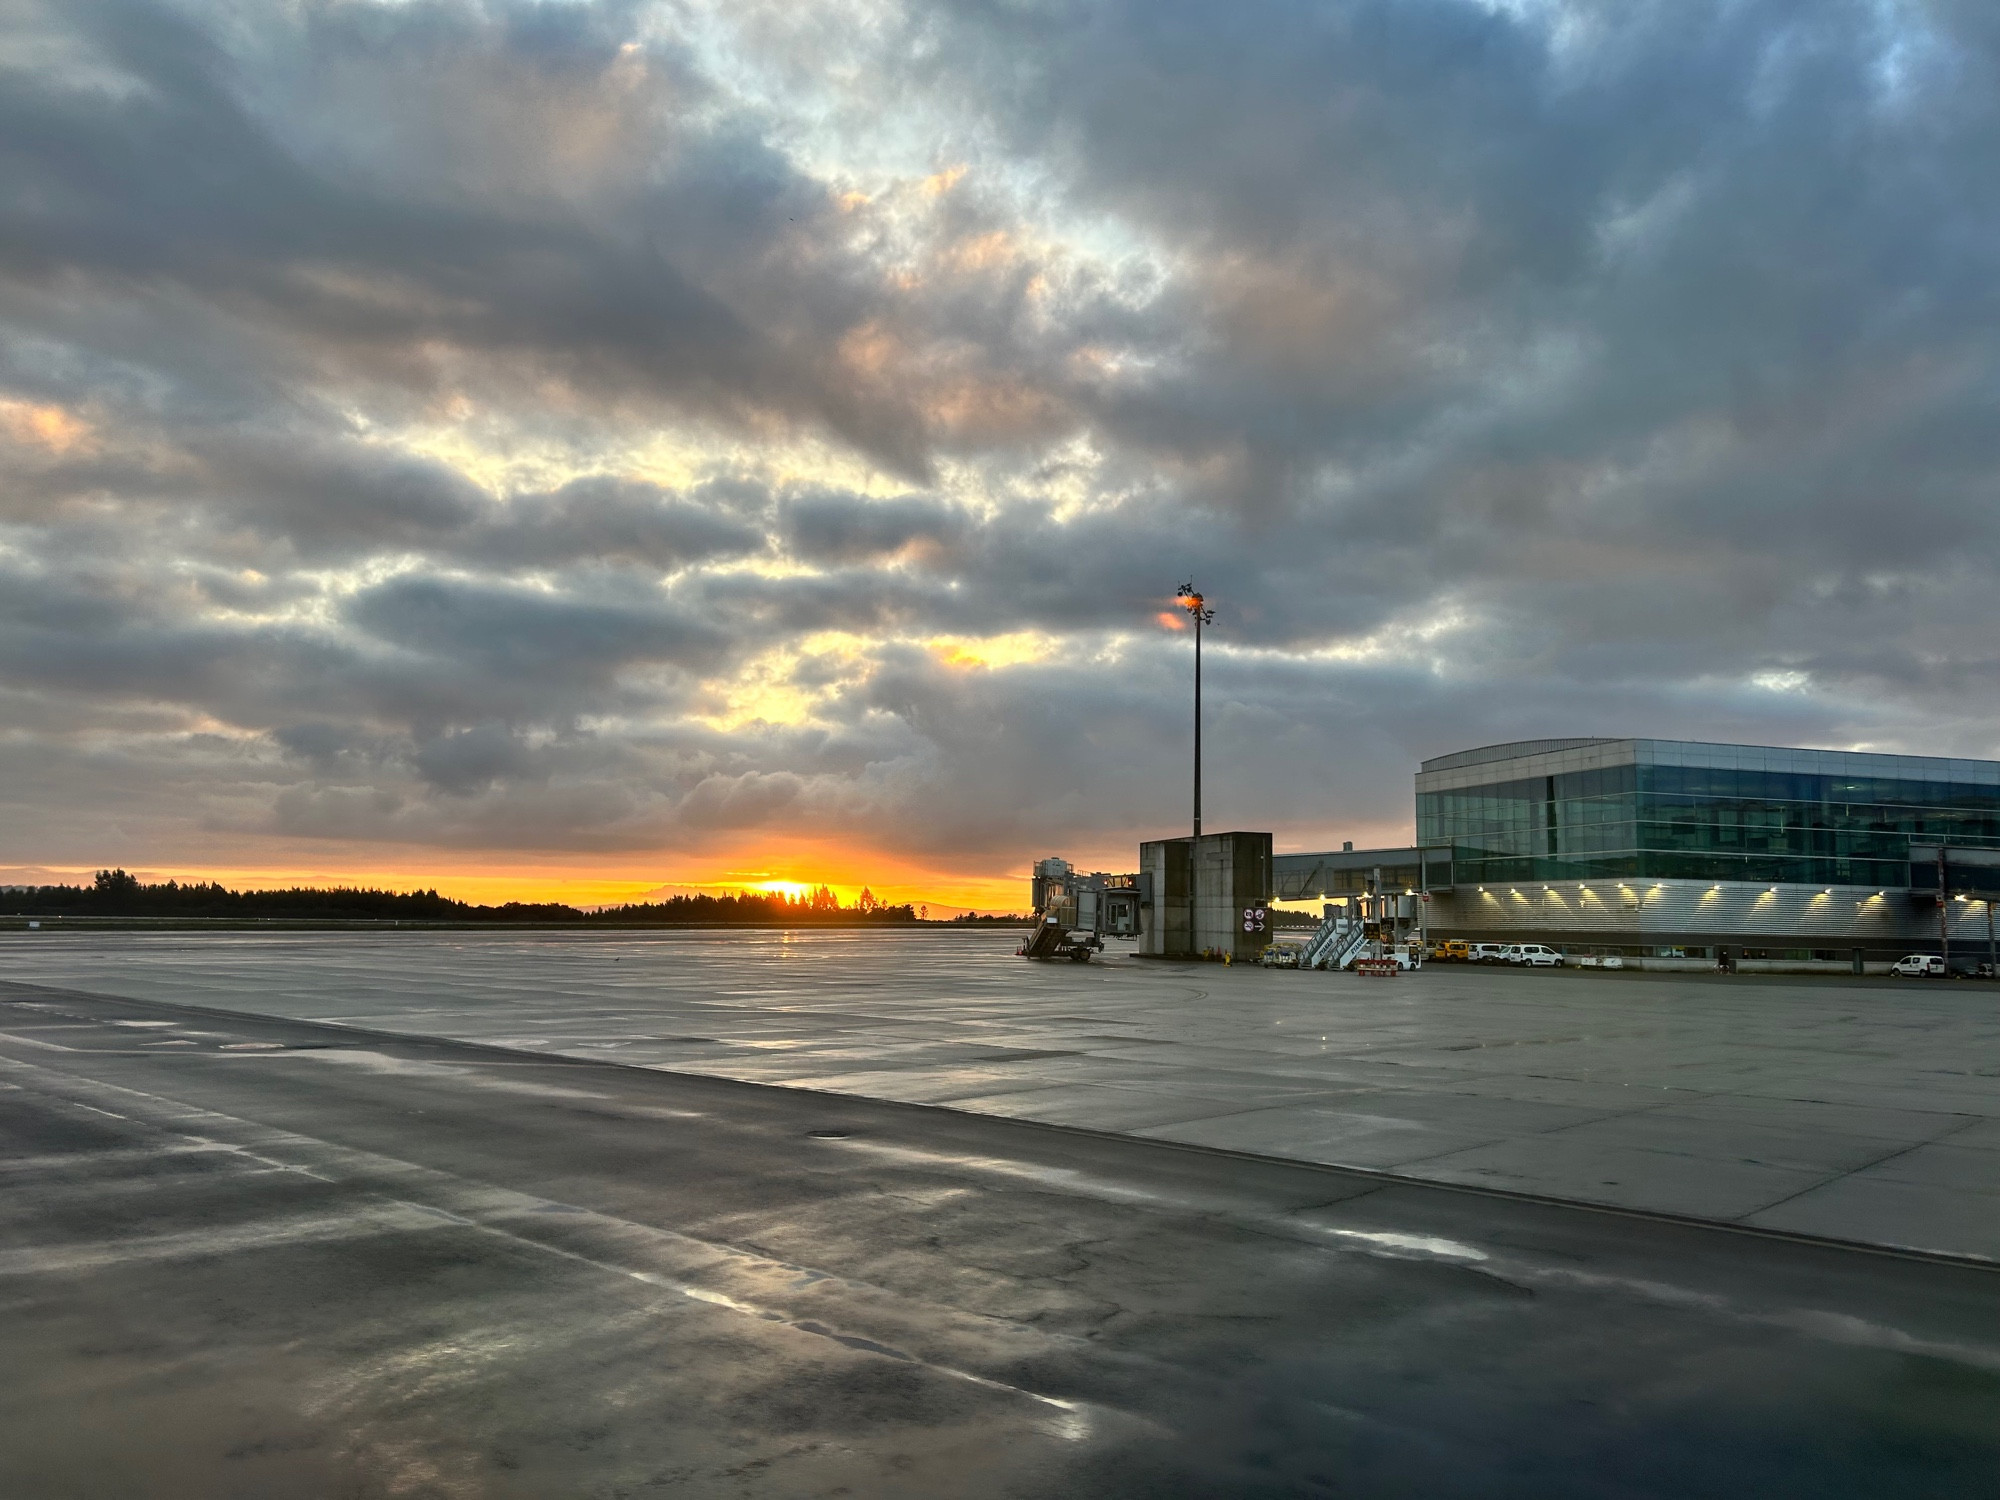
1688, 821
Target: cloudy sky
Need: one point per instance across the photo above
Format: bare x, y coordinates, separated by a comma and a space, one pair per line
571, 448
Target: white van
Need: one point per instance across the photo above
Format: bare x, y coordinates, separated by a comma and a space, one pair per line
1532, 954
1919, 966
1486, 953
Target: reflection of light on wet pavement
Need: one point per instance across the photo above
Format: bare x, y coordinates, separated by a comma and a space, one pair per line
1419, 1244
1653, 1093
1065, 1178
406, 1197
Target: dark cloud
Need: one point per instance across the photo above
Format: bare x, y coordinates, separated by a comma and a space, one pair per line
618, 521
524, 633
429, 197
839, 528
322, 496
569, 427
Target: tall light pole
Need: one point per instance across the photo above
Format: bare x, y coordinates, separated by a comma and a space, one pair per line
1201, 614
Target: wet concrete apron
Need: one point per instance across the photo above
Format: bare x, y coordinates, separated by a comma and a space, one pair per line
242, 1256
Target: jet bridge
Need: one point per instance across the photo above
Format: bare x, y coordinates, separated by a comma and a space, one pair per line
1369, 894
1341, 874
1075, 913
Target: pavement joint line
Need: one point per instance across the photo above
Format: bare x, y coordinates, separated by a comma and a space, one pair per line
1616, 1114
804, 1325
1886, 1156
515, 1204
492, 1202
1374, 1174
28, 1041
91, 1255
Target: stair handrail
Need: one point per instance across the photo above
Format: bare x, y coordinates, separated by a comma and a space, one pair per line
1322, 938
1347, 947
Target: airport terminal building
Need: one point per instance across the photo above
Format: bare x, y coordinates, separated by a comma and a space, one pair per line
1671, 852
1669, 848
1665, 851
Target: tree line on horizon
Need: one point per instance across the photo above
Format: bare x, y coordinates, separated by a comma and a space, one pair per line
762, 908
116, 893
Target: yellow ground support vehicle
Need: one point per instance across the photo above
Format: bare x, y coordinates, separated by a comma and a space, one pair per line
1452, 951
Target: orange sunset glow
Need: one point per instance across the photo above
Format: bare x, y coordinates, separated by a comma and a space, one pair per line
614, 884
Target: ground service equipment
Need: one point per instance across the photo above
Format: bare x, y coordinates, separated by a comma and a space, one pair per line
1075, 913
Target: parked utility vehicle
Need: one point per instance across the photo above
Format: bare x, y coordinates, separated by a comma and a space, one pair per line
1486, 953
1918, 966
1532, 954
1282, 953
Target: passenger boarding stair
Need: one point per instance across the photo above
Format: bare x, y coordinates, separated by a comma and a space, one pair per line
1333, 945
1046, 941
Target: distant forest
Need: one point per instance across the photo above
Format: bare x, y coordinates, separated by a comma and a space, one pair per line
114, 893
